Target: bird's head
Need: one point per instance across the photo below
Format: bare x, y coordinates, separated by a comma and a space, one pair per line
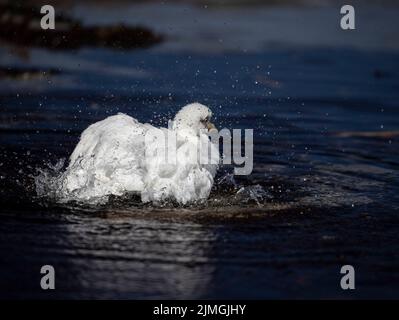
194, 116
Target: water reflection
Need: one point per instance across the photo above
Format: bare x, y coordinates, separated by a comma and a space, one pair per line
117, 255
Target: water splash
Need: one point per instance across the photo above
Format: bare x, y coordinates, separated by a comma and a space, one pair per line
48, 186
47, 180
253, 193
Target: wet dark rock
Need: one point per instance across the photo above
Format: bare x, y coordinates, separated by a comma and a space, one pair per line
20, 26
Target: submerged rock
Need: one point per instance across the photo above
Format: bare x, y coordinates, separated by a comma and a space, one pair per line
22, 73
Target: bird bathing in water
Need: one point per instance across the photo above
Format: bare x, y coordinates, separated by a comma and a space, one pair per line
120, 155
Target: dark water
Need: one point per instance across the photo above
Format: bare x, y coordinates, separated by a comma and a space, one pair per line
328, 197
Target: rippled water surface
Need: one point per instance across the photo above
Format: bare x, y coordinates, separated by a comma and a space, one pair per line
324, 191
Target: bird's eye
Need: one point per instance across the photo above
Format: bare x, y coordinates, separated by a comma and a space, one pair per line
205, 120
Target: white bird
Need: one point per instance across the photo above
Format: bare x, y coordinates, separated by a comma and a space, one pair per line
120, 154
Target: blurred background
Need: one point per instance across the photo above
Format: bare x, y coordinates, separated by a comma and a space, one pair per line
323, 103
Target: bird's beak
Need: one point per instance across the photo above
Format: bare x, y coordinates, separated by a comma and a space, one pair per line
210, 126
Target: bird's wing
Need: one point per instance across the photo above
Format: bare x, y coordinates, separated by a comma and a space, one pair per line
110, 152
106, 136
